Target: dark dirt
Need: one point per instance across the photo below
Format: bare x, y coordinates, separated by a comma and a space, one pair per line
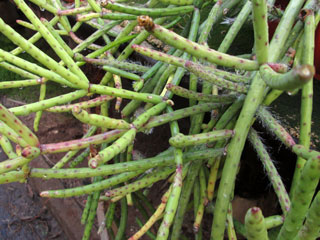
23, 215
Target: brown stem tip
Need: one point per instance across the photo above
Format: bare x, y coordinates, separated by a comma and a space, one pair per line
306, 72
146, 22
255, 210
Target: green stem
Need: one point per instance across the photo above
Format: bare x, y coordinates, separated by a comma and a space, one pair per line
81, 143
301, 199
306, 96
47, 103
152, 12
14, 123
98, 120
181, 140
271, 170
88, 189
311, 227
295, 78
255, 225
183, 92
260, 26
200, 51
123, 220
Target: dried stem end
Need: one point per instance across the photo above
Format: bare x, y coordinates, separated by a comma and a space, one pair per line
306, 72
146, 22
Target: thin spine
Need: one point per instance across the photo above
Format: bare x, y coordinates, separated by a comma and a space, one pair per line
88, 189
182, 140
301, 199
47, 103
255, 225
13, 122
7, 147
271, 170
92, 212
295, 78
99, 120
202, 202
42, 96
200, 51
306, 95
154, 12
83, 105
183, 92
159, 161
275, 127
311, 227
155, 216
8, 132
77, 76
